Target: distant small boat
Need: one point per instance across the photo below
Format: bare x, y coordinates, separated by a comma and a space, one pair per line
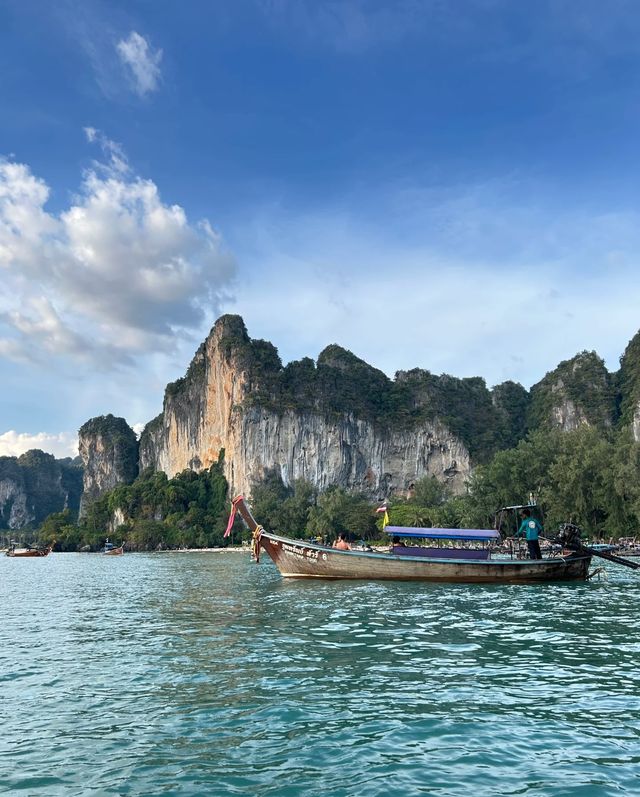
111, 550
27, 551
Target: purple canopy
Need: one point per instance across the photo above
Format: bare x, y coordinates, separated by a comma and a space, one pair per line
444, 534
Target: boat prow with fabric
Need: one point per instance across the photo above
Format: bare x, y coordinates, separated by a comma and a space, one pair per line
405, 561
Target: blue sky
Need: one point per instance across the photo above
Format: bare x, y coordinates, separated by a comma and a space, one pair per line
452, 186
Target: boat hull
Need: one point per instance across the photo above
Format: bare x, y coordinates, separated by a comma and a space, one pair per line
114, 551
299, 559
28, 553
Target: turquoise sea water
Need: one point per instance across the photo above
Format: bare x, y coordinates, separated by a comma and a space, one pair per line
196, 674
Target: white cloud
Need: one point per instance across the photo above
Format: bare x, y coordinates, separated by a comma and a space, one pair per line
117, 161
13, 444
116, 274
142, 62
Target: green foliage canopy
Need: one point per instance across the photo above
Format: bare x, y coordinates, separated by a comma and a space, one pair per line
189, 510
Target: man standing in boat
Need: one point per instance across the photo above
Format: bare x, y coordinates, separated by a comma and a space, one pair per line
530, 528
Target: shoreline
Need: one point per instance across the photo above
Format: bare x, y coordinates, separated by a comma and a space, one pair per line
228, 549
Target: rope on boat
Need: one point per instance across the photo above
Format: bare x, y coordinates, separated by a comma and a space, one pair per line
255, 543
600, 572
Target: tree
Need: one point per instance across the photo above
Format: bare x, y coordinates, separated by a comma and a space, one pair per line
581, 478
338, 511
429, 491
267, 498
294, 512
58, 528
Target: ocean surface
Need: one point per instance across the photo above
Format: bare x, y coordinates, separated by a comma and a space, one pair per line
206, 674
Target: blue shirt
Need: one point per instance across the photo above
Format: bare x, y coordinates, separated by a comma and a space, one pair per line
530, 528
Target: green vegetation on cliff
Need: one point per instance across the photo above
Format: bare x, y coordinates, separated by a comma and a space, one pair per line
340, 383
582, 380
628, 380
465, 406
512, 403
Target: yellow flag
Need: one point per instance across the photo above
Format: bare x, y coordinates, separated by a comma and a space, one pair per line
385, 520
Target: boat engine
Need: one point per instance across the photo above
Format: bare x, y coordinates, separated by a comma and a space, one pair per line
569, 536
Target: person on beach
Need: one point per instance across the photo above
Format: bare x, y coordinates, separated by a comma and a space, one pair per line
530, 528
341, 544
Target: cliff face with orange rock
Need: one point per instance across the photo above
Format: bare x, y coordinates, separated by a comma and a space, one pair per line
237, 396
339, 421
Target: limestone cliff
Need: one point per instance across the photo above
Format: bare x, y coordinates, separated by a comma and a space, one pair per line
578, 392
109, 451
340, 423
34, 485
628, 383
14, 508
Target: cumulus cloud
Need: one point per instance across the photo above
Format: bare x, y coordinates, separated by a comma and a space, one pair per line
13, 444
115, 274
141, 61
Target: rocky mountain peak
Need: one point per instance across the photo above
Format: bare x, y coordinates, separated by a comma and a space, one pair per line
109, 450
578, 392
334, 356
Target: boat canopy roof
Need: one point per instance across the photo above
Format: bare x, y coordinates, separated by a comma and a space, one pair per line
443, 534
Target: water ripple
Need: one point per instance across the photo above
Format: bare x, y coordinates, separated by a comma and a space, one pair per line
188, 674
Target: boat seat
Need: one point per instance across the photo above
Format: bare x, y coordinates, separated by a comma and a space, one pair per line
441, 553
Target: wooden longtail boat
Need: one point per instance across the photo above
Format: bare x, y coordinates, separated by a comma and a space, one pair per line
111, 550
407, 562
27, 551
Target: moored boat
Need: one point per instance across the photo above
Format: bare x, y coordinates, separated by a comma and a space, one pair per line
27, 551
406, 561
629, 546
111, 550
